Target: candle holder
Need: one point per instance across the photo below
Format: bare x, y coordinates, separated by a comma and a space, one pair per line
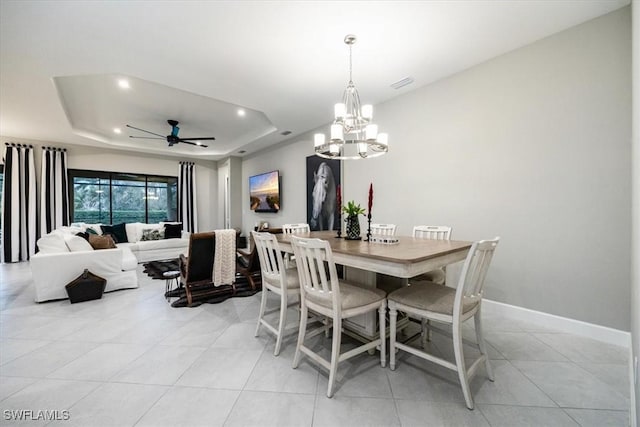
339, 235
369, 227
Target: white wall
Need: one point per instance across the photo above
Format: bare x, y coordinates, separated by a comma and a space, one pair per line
531, 146
635, 252
92, 158
290, 160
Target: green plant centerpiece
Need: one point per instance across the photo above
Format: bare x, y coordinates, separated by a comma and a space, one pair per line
353, 224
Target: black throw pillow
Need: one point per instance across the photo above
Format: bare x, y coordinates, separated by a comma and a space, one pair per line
118, 231
172, 231
84, 235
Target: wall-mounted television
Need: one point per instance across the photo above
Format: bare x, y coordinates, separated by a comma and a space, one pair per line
264, 192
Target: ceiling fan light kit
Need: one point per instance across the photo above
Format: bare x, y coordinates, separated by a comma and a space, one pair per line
173, 138
353, 135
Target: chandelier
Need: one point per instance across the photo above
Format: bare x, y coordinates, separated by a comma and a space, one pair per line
353, 135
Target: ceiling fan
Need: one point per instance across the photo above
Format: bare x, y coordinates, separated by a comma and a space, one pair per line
173, 138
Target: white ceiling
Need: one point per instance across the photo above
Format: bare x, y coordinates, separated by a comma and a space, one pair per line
197, 62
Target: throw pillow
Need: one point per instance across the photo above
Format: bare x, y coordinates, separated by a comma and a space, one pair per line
91, 231
172, 231
118, 231
52, 244
84, 235
152, 234
101, 242
77, 243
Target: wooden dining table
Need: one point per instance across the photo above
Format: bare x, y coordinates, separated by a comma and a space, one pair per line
365, 261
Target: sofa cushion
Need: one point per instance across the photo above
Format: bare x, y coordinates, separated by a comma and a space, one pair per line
101, 242
172, 231
77, 243
132, 229
52, 243
161, 244
118, 231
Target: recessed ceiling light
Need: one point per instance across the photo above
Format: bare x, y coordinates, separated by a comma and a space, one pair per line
285, 133
242, 151
199, 142
117, 130
241, 112
124, 84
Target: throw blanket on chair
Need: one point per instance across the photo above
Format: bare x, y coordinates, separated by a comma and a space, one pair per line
224, 261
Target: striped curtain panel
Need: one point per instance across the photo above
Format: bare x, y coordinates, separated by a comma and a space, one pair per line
54, 191
187, 210
19, 203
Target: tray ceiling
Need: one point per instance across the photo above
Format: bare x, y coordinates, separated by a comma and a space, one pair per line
199, 61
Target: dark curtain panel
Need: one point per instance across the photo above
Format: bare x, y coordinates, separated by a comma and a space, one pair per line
187, 210
19, 203
54, 191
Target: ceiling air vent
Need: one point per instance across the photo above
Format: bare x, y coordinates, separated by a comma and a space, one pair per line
402, 83
285, 133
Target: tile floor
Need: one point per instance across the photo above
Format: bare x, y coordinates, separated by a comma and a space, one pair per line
131, 359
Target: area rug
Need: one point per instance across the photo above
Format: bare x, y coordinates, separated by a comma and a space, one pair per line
156, 269
205, 294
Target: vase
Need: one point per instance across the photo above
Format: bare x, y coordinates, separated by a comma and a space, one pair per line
353, 228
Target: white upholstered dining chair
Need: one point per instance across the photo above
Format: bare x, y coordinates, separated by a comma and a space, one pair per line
452, 306
322, 292
383, 229
277, 279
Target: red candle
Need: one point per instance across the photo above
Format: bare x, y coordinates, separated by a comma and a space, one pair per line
370, 197
339, 199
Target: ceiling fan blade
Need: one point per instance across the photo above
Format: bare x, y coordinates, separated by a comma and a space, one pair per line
210, 138
142, 130
146, 137
193, 143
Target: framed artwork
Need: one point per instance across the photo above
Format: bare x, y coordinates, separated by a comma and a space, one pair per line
323, 178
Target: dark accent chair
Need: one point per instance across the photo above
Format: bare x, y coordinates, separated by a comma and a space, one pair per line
196, 270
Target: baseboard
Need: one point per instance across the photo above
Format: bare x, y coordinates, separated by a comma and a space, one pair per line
564, 324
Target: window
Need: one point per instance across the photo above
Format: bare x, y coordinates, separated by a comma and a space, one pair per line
112, 198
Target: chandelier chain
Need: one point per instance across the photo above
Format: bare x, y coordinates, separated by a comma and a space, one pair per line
350, 64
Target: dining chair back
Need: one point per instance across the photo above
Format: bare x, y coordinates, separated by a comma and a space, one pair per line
277, 279
324, 293
301, 228
435, 232
450, 306
295, 228
383, 229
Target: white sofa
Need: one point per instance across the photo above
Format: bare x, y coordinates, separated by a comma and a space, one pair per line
150, 250
53, 271
63, 256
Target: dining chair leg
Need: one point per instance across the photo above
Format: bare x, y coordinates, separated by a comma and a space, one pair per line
335, 354
283, 322
393, 316
481, 344
301, 333
263, 305
460, 364
382, 312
